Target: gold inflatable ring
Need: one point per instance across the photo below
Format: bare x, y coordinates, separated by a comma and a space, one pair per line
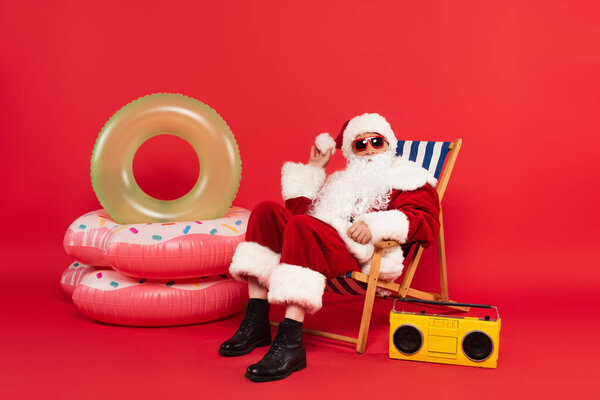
159, 114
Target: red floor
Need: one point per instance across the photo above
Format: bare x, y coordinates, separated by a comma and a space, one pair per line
50, 350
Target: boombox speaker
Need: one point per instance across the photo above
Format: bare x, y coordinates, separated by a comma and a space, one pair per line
445, 339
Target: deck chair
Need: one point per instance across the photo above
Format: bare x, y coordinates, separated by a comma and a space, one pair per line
432, 156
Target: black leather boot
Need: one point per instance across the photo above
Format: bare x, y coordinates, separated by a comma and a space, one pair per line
285, 356
254, 330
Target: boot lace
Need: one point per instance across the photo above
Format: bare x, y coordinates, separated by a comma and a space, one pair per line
279, 343
249, 321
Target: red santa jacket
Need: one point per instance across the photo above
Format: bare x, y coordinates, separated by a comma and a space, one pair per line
412, 214
421, 207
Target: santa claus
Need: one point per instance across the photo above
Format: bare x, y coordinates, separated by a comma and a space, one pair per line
326, 229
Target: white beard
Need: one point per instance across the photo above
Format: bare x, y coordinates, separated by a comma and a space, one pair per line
361, 187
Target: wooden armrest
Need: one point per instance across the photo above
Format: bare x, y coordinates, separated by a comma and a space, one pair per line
386, 243
362, 277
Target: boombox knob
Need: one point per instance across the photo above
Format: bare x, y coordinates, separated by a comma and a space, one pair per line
487, 317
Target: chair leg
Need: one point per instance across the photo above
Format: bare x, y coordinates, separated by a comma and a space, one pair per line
369, 299
442, 261
410, 272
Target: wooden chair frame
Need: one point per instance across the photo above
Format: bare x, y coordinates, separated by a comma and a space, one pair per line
403, 289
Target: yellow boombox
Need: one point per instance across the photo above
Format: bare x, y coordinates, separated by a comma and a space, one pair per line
445, 339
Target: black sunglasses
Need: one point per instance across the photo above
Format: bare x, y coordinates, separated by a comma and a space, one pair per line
361, 144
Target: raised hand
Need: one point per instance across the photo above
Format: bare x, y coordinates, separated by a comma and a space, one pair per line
360, 233
318, 159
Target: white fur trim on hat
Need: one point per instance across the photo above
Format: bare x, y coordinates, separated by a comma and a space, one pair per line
324, 142
368, 123
292, 284
386, 225
391, 264
301, 180
253, 259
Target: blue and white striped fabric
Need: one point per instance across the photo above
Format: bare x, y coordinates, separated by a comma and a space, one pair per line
430, 155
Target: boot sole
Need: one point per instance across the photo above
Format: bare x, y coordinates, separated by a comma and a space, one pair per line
235, 353
258, 378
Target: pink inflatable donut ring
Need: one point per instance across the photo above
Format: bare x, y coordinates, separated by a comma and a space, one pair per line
73, 275
86, 238
172, 250
108, 296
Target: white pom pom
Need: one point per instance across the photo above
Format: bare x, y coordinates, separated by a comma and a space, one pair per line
324, 142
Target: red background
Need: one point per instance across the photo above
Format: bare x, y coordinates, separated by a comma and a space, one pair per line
517, 80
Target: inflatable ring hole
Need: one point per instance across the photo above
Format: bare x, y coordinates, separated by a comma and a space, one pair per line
166, 167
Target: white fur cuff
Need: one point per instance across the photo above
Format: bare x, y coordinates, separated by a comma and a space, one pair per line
297, 285
301, 180
253, 259
391, 264
324, 142
390, 225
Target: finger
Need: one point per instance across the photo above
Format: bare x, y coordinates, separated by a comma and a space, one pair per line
364, 233
352, 228
361, 236
368, 235
358, 233
357, 236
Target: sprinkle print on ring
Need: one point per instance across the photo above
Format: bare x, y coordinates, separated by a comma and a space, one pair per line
233, 229
139, 250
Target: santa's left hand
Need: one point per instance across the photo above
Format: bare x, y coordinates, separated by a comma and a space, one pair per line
360, 233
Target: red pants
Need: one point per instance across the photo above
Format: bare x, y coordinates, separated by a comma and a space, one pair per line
301, 240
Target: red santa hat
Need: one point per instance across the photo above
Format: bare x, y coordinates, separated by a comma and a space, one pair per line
369, 122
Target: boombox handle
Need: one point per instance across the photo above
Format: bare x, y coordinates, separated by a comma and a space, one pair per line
443, 303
